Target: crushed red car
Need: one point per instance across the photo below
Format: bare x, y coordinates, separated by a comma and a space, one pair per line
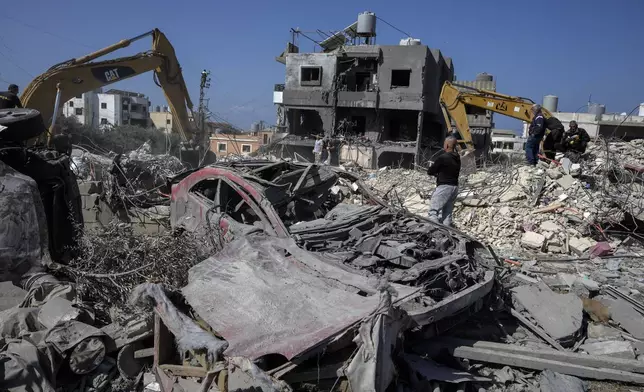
307, 250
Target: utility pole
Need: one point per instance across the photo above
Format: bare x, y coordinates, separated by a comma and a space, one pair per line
203, 104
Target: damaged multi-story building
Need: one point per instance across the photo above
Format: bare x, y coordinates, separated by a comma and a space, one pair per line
379, 104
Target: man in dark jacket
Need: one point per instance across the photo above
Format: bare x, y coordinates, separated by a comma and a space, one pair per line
446, 169
535, 134
575, 141
9, 99
554, 137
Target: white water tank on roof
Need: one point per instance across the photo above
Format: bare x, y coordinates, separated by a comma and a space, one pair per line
641, 112
550, 103
367, 24
409, 41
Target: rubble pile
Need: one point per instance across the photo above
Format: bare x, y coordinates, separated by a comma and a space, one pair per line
321, 286
552, 208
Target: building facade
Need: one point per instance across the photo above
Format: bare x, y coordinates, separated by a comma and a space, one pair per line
111, 108
162, 120
382, 98
84, 108
223, 144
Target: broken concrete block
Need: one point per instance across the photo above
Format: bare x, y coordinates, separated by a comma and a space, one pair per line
554, 173
550, 226
514, 192
562, 197
603, 332
555, 248
590, 284
611, 348
531, 239
550, 381
474, 202
566, 181
579, 245
613, 264
601, 249
560, 315
548, 234
505, 210
565, 165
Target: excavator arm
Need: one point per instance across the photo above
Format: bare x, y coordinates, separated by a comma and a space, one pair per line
453, 102
77, 76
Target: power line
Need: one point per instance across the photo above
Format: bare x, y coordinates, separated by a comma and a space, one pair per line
44, 31
15, 64
393, 27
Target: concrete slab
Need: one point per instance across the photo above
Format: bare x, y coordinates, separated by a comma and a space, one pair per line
560, 315
601, 332
611, 348
628, 318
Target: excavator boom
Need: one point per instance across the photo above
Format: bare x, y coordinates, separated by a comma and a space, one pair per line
453, 102
80, 75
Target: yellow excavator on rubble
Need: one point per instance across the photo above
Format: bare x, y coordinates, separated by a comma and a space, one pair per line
454, 98
79, 75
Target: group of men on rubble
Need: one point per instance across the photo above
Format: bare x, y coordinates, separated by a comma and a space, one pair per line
446, 168
550, 130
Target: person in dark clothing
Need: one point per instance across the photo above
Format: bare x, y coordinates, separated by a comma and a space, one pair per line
554, 136
575, 141
9, 99
446, 169
536, 133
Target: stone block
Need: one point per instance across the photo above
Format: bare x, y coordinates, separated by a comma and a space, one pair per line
611, 348
579, 245
531, 239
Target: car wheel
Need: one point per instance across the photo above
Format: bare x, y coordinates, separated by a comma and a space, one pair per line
20, 124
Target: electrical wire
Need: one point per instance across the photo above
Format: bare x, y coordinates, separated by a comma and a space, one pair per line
43, 31
393, 27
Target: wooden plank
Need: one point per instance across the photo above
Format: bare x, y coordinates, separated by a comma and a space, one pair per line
184, 371
144, 353
530, 362
163, 342
549, 208
595, 361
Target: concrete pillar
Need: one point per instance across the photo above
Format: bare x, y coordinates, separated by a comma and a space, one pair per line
419, 135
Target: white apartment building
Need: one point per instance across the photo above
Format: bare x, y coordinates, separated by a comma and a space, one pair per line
112, 108
84, 107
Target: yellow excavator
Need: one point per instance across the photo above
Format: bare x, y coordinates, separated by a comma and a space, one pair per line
79, 75
454, 98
